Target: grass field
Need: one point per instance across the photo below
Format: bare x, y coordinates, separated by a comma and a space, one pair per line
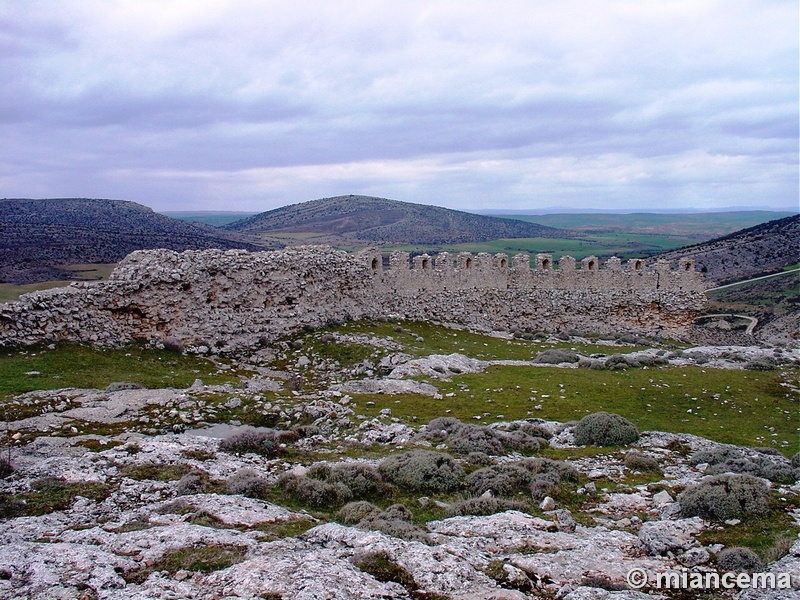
697, 226
10, 292
736, 407
733, 406
622, 245
73, 365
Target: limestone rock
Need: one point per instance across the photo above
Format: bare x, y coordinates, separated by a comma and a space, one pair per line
658, 537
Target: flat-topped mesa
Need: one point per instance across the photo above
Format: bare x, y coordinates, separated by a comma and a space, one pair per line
227, 300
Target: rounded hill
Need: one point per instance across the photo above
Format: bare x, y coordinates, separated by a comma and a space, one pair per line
39, 236
382, 221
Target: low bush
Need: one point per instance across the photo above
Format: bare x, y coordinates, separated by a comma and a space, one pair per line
361, 479
463, 438
545, 484
522, 442
739, 560
423, 471
353, 512
758, 462
173, 344
761, 363
444, 426
724, 497
250, 439
556, 356
478, 459
6, 466
304, 431
501, 480
621, 361
639, 461
314, 492
396, 522
474, 438
605, 429
194, 482
480, 507
532, 429
565, 471
247, 482
539, 476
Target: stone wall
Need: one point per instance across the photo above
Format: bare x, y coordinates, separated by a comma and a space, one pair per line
222, 300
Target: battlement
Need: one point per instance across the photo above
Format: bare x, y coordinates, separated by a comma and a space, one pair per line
218, 299
486, 271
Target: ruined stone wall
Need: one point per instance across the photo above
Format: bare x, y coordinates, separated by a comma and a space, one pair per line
218, 300
484, 271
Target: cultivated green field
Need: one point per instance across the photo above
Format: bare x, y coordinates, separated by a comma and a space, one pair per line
697, 226
625, 246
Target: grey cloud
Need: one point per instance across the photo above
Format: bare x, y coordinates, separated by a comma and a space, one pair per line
201, 99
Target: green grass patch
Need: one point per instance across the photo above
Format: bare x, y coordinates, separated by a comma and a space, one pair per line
49, 495
731, 406
623, 245
421, 338
382, 568
97, 445
284, 529
156, 471
80, 366
200, 559
696, 226
10, 292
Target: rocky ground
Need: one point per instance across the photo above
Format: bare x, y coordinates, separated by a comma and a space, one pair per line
133, 493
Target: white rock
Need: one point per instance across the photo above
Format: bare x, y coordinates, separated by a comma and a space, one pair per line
661, 498
547, 503
658, 537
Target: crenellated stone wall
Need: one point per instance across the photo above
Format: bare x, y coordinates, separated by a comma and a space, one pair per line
224, 300
485, 271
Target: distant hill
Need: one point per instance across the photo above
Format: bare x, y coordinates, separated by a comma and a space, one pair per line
369, 220
38, 236
759, 250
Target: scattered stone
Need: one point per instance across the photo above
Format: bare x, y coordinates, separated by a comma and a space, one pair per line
694, 557
564, 520
662, 498
547, 503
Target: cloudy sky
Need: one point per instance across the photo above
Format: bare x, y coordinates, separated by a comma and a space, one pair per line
528, 104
